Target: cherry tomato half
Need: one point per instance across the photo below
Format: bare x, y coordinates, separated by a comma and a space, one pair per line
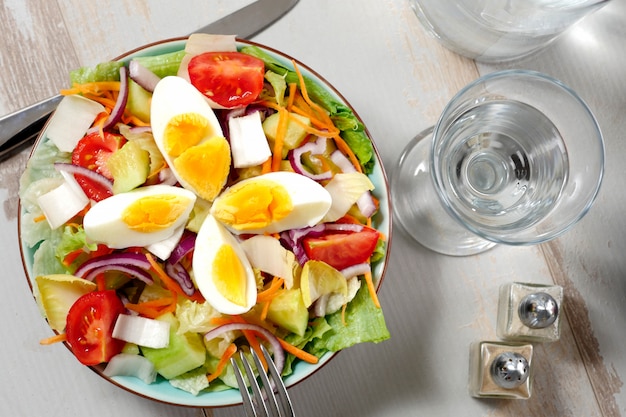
93, 151
230, 79
89, 327
341, 250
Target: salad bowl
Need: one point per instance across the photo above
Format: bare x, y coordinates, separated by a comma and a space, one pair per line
161, 390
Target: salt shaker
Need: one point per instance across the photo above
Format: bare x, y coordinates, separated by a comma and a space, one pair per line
529, 312
501, 370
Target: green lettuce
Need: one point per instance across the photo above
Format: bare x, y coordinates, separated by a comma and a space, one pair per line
352, 131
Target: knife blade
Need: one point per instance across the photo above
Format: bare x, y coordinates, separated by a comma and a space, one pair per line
21, 127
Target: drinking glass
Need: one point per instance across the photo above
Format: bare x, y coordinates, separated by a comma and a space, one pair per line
516, 157
500, 30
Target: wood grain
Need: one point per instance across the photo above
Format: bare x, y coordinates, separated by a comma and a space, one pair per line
29, 27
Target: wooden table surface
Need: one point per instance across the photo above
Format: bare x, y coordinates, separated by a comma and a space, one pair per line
398, 79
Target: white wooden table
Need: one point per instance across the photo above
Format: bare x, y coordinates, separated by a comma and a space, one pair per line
398, 79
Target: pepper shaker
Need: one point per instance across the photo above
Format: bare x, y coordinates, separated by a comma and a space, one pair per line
529, 312
501, 370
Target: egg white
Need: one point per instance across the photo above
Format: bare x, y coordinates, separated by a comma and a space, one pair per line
172, 97
103, 223
310, 203
211, 236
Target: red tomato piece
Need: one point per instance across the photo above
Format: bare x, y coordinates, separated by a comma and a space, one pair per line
341, 250
230, 79
93, 151
89, 327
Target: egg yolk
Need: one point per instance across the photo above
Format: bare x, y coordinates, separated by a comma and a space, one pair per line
154, 213
185, 130
205, 167
229, 275
253, 205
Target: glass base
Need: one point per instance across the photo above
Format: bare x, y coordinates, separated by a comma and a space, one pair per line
418, 209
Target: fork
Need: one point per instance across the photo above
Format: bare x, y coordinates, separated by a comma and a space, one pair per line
267, 399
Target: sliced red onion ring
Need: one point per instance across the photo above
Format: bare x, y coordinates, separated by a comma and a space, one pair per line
356, 270
120, 104
292, 239
143, 76
277, 350
131, 270
316, 148
85, 172
179, 274
186, 244
125, 258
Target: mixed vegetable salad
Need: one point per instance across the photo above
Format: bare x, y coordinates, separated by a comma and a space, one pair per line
189, 205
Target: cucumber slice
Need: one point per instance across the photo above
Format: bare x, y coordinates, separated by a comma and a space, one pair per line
129, 166
184, 352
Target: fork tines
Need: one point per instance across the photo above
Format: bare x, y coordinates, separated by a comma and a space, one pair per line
263, 402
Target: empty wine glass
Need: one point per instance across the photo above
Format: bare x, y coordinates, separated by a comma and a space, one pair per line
516, 157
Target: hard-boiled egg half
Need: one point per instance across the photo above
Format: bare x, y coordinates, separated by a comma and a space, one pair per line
271, 203
221, 269
190, 137
140, 217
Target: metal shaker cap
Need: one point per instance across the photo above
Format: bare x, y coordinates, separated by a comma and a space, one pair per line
509, 370
538, 310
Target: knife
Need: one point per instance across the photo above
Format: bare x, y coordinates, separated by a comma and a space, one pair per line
23, 126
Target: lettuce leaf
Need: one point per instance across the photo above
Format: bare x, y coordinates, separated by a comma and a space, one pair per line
364, 322
352, 131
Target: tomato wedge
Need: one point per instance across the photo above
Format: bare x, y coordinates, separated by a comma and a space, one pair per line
230, 79
89, 327
341, 250
93, 151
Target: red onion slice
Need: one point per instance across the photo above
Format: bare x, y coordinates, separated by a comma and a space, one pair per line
316, 148
186, 244
277, 350
85, 172
131, 270
120, 104
356, 270
143, 76
125, 258
179, 274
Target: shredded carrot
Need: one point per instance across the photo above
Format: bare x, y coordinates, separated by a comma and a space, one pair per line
134, 120
292, 95
96, 87
371, 289
169, 283
105, 101
314, 106
343, 314
228, 353
267, 166
39, 218
297, 352
277, 152
269, 293
343, 147
154, 308
61, 337
322, 129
